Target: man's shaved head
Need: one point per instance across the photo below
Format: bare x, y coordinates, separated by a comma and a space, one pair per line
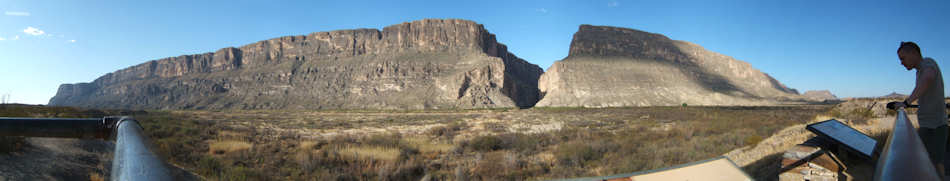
910, 47
909, 54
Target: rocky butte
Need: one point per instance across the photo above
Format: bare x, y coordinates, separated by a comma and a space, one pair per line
425, 64
612, 66
819, 95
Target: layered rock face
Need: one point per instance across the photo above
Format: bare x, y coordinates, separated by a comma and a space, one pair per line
611, 67
426, 64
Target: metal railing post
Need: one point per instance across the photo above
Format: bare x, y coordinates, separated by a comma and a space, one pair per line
904, 156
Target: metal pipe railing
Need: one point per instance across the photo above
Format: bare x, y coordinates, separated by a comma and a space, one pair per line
904, 156
85, 128
133, 158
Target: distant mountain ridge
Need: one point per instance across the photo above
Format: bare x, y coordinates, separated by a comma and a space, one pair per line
425, 64
894, 95
613, 66
820, 95
433, 64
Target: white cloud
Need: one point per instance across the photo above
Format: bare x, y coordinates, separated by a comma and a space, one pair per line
16, 13
613, 4
541, 10
1, 39
72, 41
17, 37
33, 31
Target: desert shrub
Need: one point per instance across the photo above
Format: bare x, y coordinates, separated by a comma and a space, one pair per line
496, 165
305, 159
411, 169
575, 153
855, 114
860, 114
523, 143
209, 166
386, 140
486, 143
835, 113
447, 131
240, 173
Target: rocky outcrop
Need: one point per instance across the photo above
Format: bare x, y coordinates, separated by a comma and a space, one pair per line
611, 67
819, 95
426, 64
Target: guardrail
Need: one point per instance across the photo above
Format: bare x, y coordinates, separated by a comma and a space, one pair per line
132, 160
904, 156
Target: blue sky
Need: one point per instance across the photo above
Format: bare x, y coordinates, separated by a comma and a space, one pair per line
847, 47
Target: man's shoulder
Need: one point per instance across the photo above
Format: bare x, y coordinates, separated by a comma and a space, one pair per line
928, 62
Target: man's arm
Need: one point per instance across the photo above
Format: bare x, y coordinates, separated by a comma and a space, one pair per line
923, 82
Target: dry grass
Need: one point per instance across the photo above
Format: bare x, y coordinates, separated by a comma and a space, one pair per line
224, 147
426, 145
232, 135
307, 145
369, 152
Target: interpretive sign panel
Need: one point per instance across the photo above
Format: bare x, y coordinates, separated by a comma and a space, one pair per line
842, 134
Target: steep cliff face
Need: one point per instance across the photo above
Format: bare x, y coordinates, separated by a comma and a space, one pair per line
425, 64
611, 66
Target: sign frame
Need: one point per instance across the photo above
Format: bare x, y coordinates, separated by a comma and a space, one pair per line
818, 129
